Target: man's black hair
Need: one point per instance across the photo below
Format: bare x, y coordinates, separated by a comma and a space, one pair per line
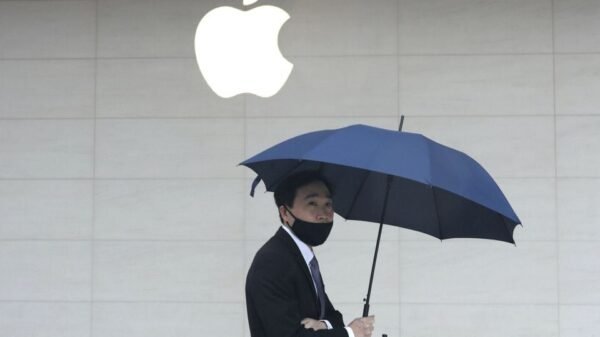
285, 193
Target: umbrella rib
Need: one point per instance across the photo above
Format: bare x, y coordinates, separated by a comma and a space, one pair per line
362, 183
284, 175
437, 214
319, 170
435, 206
510, 235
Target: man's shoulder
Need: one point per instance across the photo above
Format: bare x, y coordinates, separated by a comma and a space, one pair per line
273, 250
274, 254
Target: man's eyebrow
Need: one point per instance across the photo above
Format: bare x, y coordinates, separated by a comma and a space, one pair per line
312, 195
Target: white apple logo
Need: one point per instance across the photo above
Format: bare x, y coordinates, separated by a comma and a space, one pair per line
237, 51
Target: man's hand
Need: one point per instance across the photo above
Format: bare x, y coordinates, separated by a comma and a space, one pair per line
363, 326
310, 323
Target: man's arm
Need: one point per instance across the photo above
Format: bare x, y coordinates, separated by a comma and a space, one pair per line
274, 300
333, 316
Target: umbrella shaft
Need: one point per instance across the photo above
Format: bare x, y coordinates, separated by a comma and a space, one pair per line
368, 300
387, 193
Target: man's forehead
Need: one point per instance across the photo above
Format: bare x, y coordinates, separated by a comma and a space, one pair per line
317, 195
313, 190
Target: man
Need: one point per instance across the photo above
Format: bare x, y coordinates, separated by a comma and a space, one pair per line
285, 295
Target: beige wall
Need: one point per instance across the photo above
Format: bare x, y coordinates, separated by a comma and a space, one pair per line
123, 213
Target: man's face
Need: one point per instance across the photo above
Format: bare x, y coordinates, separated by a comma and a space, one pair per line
312, 203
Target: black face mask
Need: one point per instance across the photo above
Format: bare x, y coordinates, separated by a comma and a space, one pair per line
312, 233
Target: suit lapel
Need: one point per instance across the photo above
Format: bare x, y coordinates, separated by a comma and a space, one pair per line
288, 242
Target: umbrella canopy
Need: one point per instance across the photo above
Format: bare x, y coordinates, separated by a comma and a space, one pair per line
396, 178
432, 188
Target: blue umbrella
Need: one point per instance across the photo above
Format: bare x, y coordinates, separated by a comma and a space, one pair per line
396, 178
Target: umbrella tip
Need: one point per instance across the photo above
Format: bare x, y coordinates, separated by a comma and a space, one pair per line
401, 122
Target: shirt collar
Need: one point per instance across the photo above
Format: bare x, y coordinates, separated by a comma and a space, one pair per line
306, 251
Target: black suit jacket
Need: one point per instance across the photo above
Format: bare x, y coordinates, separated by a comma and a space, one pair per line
280, 293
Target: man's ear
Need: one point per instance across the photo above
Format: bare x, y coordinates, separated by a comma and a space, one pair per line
284, 214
